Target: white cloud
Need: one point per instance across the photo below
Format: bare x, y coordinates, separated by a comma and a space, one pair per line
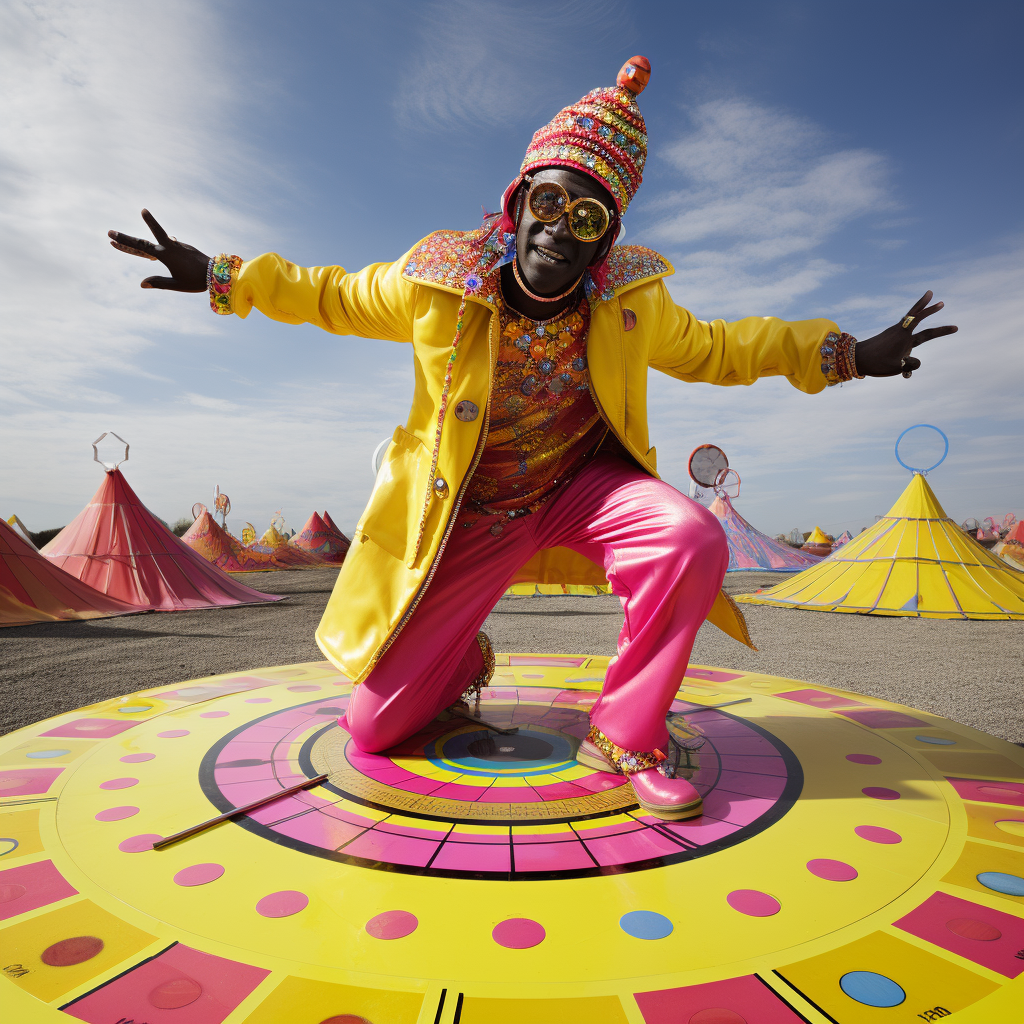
466, 73
206, 402
107, 107
764, 191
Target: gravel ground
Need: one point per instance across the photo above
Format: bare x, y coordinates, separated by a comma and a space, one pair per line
971, 672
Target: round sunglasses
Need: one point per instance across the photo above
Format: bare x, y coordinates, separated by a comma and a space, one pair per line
588, 219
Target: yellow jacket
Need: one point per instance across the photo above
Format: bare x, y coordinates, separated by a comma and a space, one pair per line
417, 300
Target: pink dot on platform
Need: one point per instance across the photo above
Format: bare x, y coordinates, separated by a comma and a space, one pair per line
716, 1015
972, 928
69, 952
258, 700
282, 904
753, 903
518, 933
863, 759
116, 813
997, 791
392, 924
199, 874
877, 834
11, 891
214, 714
138, 844
172, 734
137, 758
303, 688
880, 793
119, 783
178, 992
832, 870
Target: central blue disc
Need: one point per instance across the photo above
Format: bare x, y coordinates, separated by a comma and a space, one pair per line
483, 752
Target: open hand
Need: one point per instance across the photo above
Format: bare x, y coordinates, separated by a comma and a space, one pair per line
888, 353
187, 265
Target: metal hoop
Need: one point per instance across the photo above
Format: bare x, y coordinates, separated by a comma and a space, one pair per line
914, 469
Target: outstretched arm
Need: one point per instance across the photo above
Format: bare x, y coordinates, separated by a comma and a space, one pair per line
376, 302
810, 353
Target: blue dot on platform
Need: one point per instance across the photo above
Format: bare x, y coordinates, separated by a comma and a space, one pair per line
645, 924
53, 752
999, 881
872, 989
937, 740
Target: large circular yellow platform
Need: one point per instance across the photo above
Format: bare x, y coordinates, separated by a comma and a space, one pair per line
857, 862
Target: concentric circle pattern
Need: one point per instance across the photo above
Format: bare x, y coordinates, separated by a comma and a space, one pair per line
855, 861
456, 774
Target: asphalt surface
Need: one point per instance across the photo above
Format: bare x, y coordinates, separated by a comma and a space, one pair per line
971, 672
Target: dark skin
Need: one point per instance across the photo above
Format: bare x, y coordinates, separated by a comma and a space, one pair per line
550, 259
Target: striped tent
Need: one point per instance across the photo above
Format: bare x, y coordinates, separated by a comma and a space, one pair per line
914, 561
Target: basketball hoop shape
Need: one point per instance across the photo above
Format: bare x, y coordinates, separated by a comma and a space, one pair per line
377, 458
917, 469
728, 483
221, 504
198, 509
707, 462
248, 534
109, 465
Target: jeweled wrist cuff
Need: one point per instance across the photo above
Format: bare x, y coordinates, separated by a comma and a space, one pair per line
220, 279
626, 762
838, 362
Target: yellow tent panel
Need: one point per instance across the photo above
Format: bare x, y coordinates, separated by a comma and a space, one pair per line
914, 561
542, 589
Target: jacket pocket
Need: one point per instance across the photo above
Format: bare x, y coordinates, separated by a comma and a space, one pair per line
392, 516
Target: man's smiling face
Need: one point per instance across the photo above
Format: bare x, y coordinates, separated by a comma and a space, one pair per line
550, 256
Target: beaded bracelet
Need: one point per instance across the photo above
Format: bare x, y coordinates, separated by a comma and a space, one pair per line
626, 762
838, 362
220, 278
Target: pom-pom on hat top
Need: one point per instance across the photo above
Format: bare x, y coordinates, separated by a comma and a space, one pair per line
603, 135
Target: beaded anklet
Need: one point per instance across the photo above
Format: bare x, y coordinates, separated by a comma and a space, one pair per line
625, 762
473, 690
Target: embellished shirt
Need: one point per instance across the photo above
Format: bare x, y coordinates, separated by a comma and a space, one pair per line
543, 418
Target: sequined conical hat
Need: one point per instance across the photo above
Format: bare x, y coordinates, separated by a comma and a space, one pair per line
603, 135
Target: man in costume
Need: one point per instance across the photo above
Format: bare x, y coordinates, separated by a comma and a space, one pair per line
526, 452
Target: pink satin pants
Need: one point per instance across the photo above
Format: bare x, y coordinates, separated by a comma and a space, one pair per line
665, 557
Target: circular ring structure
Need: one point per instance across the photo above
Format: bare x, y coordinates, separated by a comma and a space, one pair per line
916, 469
850, 850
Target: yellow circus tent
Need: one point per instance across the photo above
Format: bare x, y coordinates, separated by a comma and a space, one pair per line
819, 542
546, 589
914, 561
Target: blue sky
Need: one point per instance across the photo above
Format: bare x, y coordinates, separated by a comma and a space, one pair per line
806, 159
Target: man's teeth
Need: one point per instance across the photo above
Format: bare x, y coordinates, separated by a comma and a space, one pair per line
551, 257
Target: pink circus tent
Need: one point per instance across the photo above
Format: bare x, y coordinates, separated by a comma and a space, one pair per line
217, 546
752, 551
316, 537
34, 590
116, 545
330, 524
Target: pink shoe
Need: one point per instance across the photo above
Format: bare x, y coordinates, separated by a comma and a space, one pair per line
672, 799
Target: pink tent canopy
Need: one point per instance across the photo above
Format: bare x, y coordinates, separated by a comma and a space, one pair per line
319, 539
116, 545
216, 545
330, 524
34, 590
753, 551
